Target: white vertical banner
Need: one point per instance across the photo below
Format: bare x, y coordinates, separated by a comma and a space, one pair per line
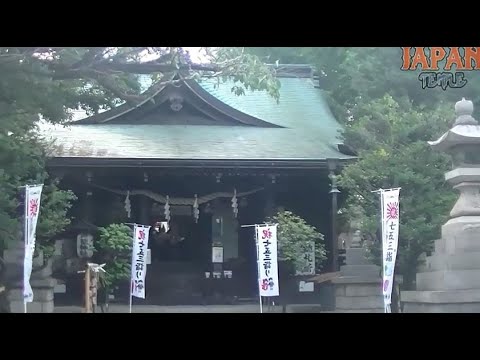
267, 260
139, 260
390, 203
33, 196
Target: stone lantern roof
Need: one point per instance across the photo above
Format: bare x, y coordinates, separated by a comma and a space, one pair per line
465, 130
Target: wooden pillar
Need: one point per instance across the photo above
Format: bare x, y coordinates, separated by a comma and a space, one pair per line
332, 166
144, 206
88, 208
270, 202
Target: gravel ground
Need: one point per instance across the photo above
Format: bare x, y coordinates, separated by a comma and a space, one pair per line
175, 309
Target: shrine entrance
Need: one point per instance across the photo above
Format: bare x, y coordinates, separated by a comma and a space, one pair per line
203, 211
181, 270
179, 259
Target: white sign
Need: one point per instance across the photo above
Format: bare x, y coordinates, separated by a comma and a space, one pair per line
305, 265
390, 202
217, 254
267, 260
139, 260
33, 195
304, 286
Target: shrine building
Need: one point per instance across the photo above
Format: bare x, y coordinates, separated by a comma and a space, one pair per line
218, 160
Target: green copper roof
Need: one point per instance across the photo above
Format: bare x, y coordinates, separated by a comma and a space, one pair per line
301, 105
309, 131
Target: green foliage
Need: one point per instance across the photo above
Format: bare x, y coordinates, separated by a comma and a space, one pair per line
250, 73
388, 120
22, 161
353, 76
295, 237
115, 249
53, 220
392, 142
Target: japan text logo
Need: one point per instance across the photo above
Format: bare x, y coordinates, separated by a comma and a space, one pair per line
441, 66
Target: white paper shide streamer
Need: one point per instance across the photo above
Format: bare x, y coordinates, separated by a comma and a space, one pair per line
32, 208
139, 263
390, 200
267, 260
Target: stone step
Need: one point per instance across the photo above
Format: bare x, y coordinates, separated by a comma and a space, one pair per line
449, 280
356, 257
14, 256
358, 311
360, 270
462, 261
441, 297
172, 267
461, 245
40, 295
461, 234
33, 307
454, 301
361, 302
353, 290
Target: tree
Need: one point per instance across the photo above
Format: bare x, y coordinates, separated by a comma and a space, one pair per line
354, 76
388, 119
393, 151
295, 237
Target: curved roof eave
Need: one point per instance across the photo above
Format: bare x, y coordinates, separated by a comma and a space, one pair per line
197, 91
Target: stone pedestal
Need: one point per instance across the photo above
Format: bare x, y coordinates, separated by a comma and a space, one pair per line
42, 297
42, 283
450, 279
359, 288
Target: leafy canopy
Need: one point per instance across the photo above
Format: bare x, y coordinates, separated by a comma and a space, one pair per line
114, 248
295, 237
394, 152
388, 119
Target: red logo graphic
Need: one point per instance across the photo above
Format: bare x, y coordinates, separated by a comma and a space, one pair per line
267, 234
265, 284
392, 211
33, 207
141, 235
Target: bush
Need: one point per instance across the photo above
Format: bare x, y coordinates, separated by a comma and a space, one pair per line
114, 248
295, 237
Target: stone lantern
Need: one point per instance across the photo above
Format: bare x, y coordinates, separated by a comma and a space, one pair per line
450, 279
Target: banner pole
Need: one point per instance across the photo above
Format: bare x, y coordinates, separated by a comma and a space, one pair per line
25, 239
130, 298
258, 270
384, 248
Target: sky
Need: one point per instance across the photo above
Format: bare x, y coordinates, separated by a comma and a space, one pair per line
196, 54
